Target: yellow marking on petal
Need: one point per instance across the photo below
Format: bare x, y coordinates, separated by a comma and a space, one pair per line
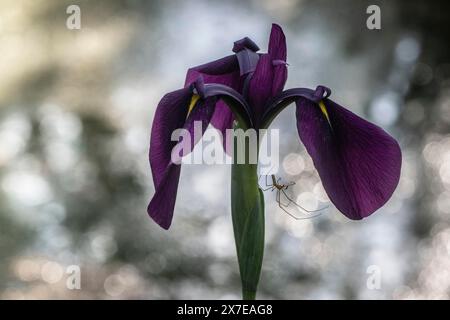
323, 108
194, 100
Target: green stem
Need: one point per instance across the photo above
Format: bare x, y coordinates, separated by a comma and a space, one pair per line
247, 208
248, 295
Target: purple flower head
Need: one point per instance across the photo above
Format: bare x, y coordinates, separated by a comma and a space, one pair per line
358, 162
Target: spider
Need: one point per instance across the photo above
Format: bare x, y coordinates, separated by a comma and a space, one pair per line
281, 189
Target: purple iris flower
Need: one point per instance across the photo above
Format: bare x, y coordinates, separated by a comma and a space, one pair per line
358, 162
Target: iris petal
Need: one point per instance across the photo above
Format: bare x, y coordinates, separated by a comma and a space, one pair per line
170, 115
270, 75
358, 162
278, 53
260, 87
277, 43
224, 71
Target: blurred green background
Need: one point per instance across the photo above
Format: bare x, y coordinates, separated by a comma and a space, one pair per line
76, 108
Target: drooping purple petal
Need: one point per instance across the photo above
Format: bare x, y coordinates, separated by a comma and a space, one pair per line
199, 118
171, 115
162, 204
270, 75
358, 162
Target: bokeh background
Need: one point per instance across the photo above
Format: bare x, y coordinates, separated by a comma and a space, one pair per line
76, 108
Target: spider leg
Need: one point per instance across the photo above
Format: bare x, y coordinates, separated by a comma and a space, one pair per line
267, 185
309, 211
293, 216
281, 202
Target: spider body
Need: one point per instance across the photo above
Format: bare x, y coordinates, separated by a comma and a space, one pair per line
281, 191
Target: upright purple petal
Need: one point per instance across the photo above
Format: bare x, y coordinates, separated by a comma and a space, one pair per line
170, 115
270, 75
277, 43
278, 53
358, 162
260, 86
